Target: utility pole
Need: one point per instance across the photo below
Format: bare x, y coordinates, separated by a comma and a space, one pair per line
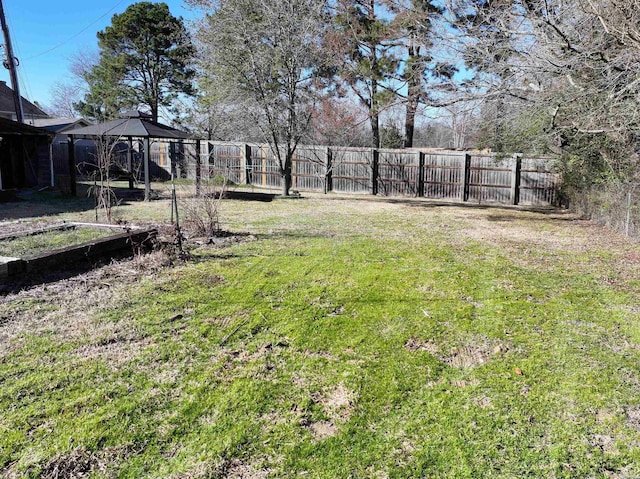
11, 64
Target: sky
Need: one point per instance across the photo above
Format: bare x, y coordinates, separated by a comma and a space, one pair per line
47, 34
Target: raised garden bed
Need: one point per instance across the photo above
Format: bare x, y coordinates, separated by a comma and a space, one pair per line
66, 245
48, 239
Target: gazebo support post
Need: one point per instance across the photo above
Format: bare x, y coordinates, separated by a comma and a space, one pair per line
72, 167
147, 178
130, 162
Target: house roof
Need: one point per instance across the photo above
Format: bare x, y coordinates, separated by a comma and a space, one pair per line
139, 127
6, 103
58, 125
10, 127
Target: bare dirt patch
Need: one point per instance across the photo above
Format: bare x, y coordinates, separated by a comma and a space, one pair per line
475, 352
323, 430
633, 417
237, 469
81, 463
337, 404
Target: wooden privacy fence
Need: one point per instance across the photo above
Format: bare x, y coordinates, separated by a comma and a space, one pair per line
452, 175
439, 174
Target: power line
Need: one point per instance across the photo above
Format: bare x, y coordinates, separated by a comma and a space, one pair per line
77, 34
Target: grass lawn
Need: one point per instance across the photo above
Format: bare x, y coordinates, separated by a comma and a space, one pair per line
345, 337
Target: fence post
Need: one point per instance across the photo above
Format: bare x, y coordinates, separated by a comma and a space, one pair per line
245, 164
375, 155
172, 159
420, 174
207, 157
328, 172
263, 152
515, 179
466, 177
198, 169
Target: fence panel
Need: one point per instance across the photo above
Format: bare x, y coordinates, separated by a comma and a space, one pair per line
538, 184
310, 168
264, 167
352, 170
443, 175
226, 161
490, 178
398, 173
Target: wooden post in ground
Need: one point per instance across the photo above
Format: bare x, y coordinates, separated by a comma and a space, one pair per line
147, 176
246, 165
328, 175
515, 179
264, 166
420, 174
375, 157
130, 162
466, 177
72, 167
198, 169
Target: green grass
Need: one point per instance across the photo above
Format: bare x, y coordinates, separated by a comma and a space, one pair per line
350, 339
49, 240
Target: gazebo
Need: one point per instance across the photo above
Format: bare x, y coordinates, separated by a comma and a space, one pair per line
133, 124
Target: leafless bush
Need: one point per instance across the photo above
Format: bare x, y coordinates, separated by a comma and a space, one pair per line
202, 212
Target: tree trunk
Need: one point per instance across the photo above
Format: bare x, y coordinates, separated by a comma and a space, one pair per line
154, 112
409, 122
414, 88
286, 184
375, 130
286, 175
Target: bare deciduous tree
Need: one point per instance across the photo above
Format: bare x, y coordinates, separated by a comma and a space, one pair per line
263, 57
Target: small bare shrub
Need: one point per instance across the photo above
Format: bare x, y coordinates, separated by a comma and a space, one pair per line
202, 213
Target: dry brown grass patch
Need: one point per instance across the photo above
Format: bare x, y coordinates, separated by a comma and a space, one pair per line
114, 351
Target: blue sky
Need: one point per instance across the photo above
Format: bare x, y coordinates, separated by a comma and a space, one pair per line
67, 27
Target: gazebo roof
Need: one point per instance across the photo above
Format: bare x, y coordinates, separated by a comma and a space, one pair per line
133, 124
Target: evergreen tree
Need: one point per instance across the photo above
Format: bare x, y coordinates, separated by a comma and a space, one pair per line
145, 57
